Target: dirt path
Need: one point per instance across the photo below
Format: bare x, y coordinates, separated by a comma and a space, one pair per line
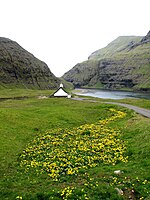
142, 111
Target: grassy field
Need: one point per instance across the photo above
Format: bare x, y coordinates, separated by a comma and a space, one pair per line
65, 149
15, 93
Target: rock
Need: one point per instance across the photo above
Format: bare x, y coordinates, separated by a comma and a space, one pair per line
118, 172
146, 39
42, 97
120, 192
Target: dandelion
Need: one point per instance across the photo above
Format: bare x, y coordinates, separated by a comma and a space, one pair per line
66, 192
19, 197
141, 198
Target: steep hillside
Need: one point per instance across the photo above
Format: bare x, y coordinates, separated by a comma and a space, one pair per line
115, 46
123, 64
20, 68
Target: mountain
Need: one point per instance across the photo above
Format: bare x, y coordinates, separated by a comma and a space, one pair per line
122, 64
19, 68
115, 46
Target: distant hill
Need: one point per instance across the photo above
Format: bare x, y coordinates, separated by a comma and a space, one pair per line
122, 64
19, 68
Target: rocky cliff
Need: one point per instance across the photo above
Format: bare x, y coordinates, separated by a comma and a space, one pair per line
122, 64
20, 68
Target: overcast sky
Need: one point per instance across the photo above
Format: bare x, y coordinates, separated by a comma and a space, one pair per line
63, 33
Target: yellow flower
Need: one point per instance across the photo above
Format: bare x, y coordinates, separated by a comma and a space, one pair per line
19, 197
60, 152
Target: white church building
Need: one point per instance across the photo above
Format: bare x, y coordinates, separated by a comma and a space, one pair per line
61, 92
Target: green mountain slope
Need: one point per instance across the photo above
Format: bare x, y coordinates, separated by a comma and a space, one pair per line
115, 46
19, 68
122, 64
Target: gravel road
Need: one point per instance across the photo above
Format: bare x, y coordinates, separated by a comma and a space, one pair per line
142, 111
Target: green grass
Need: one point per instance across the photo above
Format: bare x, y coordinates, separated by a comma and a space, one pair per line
23, 120
143, 103
14, 93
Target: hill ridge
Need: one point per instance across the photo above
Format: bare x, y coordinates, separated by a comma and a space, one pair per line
122, 64
20, 68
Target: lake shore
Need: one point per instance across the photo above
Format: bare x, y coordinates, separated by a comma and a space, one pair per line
111, 94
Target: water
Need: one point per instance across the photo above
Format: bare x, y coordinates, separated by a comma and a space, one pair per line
110, 94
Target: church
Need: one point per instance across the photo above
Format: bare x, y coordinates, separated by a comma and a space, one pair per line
61, 92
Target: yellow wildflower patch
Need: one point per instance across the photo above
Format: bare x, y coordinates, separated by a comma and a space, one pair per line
64, 152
